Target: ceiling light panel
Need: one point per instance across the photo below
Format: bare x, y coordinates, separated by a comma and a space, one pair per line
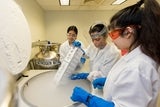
64, 2
118, 2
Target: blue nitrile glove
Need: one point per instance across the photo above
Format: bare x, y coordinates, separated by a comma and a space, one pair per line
79, 76
76, 44
94, 101
83, 60
99, 83
80, 95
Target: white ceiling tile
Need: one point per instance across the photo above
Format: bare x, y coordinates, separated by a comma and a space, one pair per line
88, 5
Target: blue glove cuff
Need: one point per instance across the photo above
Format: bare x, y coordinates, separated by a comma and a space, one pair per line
88, 99
95, 101
80, 95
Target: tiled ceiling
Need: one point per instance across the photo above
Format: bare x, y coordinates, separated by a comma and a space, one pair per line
84, 5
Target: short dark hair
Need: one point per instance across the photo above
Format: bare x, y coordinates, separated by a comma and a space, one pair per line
74, 28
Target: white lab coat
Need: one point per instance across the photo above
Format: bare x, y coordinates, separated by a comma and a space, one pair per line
64, 49
101, 60
133, 81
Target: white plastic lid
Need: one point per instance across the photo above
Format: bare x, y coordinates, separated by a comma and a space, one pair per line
15, 37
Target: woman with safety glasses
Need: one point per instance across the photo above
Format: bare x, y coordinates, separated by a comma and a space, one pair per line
102, 55
134, 80
72, 33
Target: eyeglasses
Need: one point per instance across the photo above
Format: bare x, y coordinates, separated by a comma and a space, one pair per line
70, 34
116, 33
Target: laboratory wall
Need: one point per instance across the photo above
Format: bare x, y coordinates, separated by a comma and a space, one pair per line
52, 25
35, 17
57, 23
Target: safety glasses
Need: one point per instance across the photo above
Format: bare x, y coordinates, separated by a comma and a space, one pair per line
114, 34
70, 34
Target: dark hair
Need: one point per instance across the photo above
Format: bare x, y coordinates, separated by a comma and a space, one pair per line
74, 28
147, 21
98, 28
